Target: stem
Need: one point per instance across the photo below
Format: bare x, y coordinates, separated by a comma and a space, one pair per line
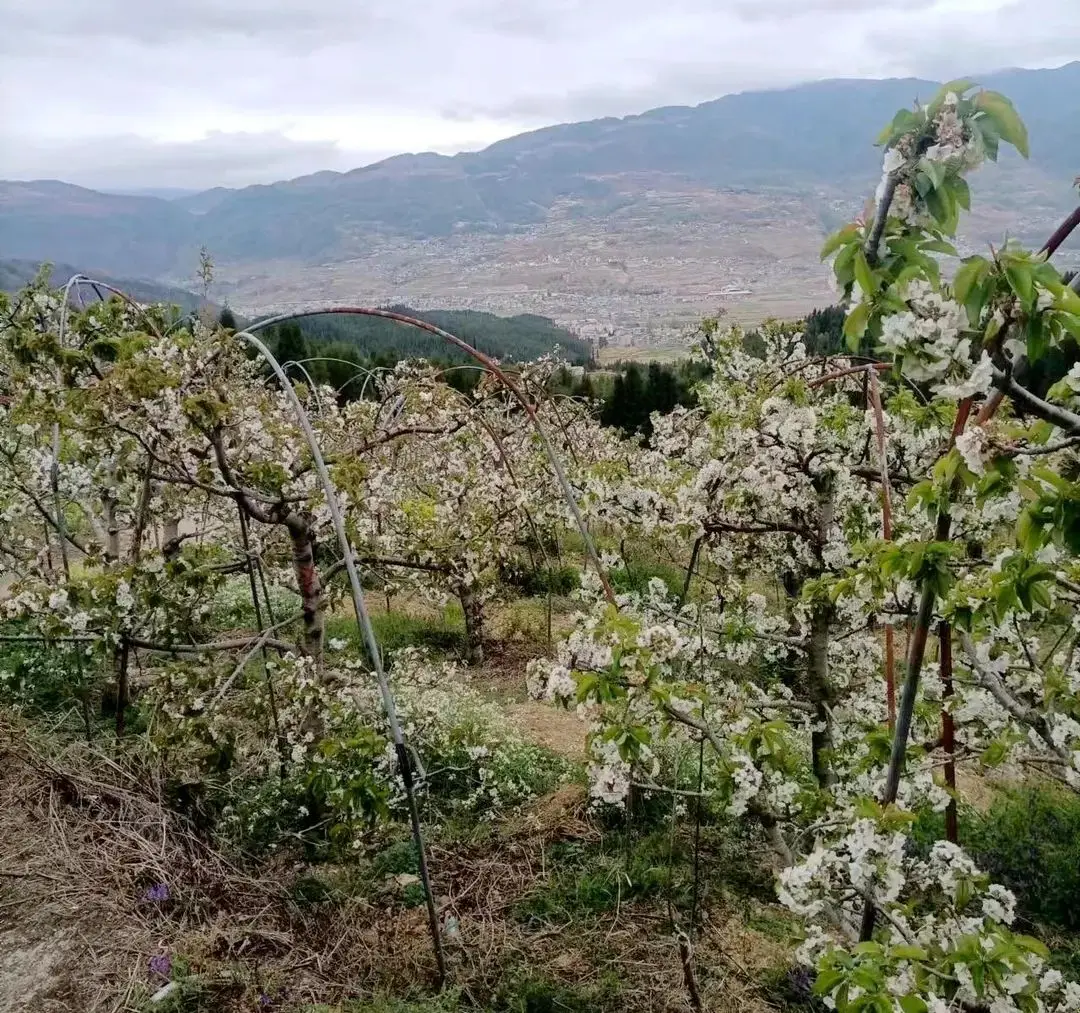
948, 731
874, 390
916, 652
881, 215
279, 738
363, 622
473, 608
690, 571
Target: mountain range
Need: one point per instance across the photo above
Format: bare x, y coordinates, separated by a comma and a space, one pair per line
670, 182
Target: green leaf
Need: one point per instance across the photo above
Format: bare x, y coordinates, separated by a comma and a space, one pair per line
905, 951
827, 981
962, 192
837, 239
990, 135
994, 754
972, 272
1069, 300
935, 170
940, 246
902, 122
1020, 281
1004, 116
912, 1004
1032, 945
855, 325
863, 275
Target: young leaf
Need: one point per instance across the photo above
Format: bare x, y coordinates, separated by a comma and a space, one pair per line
863, 275
1020, 281
855, 324
1009, 125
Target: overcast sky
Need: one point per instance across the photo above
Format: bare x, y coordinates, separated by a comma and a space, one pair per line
196, 93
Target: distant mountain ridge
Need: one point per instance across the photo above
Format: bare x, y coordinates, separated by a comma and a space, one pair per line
814, 138
17, 274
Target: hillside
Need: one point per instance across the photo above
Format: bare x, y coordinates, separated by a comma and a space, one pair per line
796, 140
16, 274
510, 339
520, 338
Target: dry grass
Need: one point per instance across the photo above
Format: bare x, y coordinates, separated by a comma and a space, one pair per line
83, 836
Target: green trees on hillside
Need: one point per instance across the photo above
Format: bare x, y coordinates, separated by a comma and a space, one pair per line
520, 338
630, 396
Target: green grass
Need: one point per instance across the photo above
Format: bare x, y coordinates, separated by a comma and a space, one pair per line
636, 576
393, 630
631, 864
528, 992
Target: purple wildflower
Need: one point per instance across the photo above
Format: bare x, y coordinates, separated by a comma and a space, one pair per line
265, 1002
158, 892
161, 964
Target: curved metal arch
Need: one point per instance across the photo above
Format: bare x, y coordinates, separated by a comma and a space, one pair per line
500, 374
363, 619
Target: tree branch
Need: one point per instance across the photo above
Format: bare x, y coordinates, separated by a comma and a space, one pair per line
991, 682
1064, 419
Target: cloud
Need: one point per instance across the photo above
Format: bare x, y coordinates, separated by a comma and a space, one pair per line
1029, 33
311, 86
773, 10
219, 159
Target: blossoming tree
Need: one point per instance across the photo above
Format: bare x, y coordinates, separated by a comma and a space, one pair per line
867, 502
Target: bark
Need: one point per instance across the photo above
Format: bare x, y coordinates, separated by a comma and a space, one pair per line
308, 582
473, 608
818, 688
820, 694
112, 525
948, 731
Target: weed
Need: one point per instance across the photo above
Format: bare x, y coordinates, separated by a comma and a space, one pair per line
446, 1002
790, 989
531, 993
588, 880
534, 582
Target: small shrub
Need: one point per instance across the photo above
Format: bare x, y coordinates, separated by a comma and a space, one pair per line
395, 859
1030, 841
588, 880
40, 678
445, 1002
232, 607
791, 989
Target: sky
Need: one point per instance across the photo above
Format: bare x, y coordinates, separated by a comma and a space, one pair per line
132, 94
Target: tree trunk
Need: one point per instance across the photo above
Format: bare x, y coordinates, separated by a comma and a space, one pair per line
112, 527
308, 582
819, 690
473, 608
